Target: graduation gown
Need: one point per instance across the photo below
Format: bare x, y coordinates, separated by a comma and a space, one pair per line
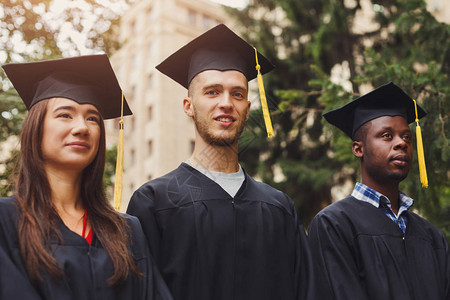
362, 254
209, 245
87, 267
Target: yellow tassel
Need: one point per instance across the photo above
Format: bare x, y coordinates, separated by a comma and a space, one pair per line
119, 164
262, 96
420, 153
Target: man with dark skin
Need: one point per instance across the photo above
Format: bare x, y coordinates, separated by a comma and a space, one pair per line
370, 245
385, 153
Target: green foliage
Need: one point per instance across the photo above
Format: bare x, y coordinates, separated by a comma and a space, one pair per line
12, 113
22, 22
110, 167
9, 166
305, 32
407, 46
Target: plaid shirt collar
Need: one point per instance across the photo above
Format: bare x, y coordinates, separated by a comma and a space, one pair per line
364, 193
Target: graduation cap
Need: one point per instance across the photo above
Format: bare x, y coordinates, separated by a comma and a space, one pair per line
386, 100
219, 49
85, 79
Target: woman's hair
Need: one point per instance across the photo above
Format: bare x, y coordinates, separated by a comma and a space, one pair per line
39, 220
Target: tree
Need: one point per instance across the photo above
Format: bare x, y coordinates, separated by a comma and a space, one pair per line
289, 33
18, 23
307, 41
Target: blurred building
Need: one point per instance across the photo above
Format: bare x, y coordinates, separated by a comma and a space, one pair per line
159, 136
440, 10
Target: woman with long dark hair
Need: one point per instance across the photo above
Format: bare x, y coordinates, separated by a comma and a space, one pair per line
60, 238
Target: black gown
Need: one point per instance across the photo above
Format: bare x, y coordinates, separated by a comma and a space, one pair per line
87, 267
209, 245
362, 254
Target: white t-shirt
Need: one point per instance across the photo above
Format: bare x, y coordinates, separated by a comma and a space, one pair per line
230, 182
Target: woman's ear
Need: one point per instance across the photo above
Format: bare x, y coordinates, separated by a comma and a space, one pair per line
358, 149
187, 106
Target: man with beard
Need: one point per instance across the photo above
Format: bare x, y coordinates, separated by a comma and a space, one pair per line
370, 245
214, 231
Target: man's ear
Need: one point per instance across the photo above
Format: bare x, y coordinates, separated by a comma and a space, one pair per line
187, 107
358, 149
248, 110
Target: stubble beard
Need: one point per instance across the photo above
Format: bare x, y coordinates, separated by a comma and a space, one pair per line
382, 175
227, 139
387, 176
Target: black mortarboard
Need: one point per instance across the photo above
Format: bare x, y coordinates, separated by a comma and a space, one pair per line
84, 79
217, 49
386, 100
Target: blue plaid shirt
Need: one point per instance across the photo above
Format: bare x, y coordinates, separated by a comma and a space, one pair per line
364, 193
